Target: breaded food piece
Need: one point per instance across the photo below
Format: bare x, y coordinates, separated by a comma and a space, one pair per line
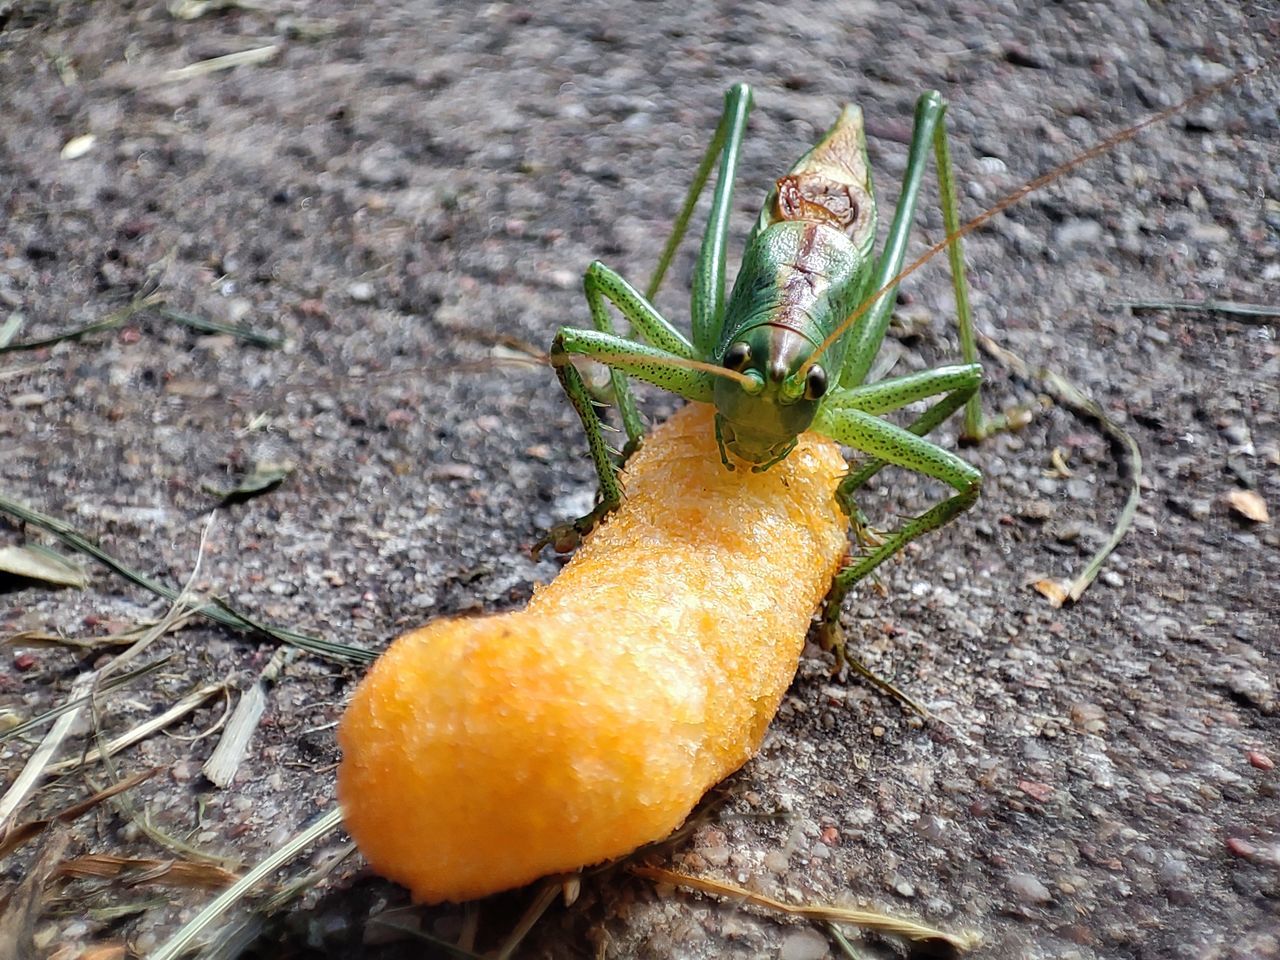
480, 754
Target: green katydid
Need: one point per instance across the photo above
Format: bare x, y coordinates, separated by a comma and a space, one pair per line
792, 346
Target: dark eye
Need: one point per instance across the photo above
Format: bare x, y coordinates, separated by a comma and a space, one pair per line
737, 356
815, 383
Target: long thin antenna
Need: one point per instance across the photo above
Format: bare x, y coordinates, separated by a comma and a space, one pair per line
1030, 187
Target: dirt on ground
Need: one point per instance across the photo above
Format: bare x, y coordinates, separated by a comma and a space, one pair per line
397, 194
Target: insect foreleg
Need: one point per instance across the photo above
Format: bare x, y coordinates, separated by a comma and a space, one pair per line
602, 284
959, 383
890, 443
732, 122
651, 364
707, 300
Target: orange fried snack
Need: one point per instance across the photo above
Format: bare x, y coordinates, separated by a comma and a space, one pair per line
480, 754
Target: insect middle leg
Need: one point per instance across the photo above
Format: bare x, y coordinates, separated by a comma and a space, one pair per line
851, 417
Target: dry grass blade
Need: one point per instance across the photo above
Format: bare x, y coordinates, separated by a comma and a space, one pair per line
119, 317
222, 764
242, 58
83, 691
308, 880
142, 730
123, 638
23, 832
234, 940
1069, 396
1245, 312
214, 610
177, 610
35, 562
181, 873
76, 703
9, 329
867, 919
109, 322
247, 334
37, 764
20, 908
205, 919
544, 898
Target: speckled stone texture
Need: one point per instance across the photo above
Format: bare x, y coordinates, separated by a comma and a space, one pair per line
399, 184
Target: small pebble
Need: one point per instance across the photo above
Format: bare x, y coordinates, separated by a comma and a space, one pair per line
1028, 889
1260, 760
775, 862
1078, 489
803, 945
1076, 233
1240, 848
717, 856
360, 291
1174, 872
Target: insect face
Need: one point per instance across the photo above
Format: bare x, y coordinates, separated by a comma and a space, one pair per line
758, 421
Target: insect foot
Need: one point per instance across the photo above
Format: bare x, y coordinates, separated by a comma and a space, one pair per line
568, 536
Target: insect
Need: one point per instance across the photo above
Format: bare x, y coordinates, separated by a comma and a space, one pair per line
790, 348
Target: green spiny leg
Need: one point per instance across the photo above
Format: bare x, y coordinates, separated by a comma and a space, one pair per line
564, 537
959, 383
977, 425
869, 334
602, 284
649, 363
849, 417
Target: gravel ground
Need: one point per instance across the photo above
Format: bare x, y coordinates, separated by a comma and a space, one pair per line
393, 186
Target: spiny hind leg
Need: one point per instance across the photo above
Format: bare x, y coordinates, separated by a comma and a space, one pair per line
978, 425
929, 131
850, 416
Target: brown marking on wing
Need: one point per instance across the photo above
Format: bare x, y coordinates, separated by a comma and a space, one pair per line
819, 199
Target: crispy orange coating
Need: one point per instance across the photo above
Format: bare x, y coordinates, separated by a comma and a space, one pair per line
481, 754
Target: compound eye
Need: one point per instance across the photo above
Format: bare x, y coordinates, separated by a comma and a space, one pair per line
737, 356
815, 383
